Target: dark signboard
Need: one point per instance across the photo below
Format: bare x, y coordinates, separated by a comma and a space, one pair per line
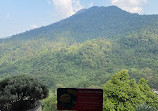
79, 99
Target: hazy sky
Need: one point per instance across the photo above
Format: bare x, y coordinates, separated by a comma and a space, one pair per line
20, 15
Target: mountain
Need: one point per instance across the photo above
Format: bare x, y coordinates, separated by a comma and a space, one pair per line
85, 49
92, 23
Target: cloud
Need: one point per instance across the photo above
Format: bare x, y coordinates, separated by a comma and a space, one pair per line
33, 26
65, 8
76, 5
133, 6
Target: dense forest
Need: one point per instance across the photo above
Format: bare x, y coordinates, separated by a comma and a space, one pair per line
83, 64
85, 50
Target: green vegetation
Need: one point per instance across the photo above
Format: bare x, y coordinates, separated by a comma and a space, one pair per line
76, 63
86, 64
122, 94
20, 92
145, 107
50, 103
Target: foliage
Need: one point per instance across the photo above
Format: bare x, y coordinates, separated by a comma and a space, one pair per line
145, 107
50, 103
18, 89
122, 94
151, 99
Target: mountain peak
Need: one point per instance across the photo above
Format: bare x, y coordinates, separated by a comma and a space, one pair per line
113, 7
102, 9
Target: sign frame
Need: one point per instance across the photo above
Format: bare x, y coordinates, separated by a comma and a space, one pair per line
80, 99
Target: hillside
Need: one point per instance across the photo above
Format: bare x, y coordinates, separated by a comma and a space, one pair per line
85, 49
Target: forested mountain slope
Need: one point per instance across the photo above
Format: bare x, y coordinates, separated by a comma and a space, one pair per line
85, 49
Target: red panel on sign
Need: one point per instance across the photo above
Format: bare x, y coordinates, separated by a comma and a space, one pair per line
80, 99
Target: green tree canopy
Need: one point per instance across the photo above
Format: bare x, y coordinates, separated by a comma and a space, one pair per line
19, 89
50, 103
123, 94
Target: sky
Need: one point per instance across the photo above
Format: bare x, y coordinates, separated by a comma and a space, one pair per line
18, 16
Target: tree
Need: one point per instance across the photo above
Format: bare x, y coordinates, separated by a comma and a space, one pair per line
145, 107
150, 98
50, 103
122, 94
20, 90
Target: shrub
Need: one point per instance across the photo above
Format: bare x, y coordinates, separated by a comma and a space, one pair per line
19, 91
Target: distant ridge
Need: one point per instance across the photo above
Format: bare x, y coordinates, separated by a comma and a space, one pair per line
95, 22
